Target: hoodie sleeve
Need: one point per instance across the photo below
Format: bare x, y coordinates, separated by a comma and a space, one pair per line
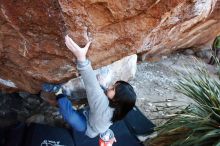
98, 101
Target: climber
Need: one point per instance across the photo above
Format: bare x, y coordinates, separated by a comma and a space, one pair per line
105, 108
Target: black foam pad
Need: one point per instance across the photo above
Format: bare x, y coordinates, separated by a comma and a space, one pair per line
122, 134
43, 135
2, 136
14, 134
137, 123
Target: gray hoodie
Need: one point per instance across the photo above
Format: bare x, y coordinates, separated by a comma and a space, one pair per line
99, 114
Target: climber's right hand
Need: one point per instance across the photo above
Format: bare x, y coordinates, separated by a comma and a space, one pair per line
80, 53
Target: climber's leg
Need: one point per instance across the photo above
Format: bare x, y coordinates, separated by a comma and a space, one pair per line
70, 115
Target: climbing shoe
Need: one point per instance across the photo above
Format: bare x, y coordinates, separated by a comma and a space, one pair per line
51, 88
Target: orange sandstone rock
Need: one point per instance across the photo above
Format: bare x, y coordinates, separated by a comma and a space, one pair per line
32, 49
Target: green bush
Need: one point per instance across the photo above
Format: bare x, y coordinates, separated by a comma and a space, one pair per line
199, 123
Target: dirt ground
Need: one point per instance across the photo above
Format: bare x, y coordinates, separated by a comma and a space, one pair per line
155, 85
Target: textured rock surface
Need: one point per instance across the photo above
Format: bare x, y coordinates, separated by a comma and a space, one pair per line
155, 84
32, 49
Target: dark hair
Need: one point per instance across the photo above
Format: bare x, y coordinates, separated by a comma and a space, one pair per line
123, 101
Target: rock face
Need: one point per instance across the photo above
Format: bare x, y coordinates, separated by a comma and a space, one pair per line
32, 33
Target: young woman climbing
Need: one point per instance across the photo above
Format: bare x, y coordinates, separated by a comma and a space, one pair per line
105, 106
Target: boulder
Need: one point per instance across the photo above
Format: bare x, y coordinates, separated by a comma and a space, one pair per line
32, 49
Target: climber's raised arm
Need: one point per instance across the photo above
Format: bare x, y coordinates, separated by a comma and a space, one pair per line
98, 101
